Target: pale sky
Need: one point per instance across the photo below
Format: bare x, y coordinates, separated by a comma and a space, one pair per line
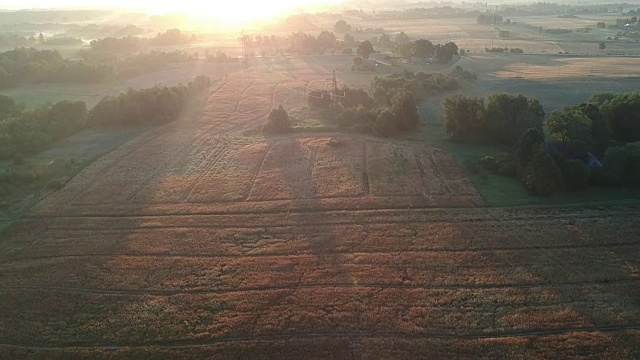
231, 10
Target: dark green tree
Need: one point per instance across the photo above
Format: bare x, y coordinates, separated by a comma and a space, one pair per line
529, 144
623, 162
278, 121
423, 49
509, 116
365, 49
405, 109
543, 176
569, 124
444, 53
622, 113
464, 118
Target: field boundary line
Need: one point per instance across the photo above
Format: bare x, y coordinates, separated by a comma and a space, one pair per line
344, 252
255, 178
359, 286
365, 169
466, 212
177, 344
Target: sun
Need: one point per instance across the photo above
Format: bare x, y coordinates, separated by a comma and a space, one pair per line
237, 12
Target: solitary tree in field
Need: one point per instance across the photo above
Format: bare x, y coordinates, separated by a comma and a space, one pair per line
602, 46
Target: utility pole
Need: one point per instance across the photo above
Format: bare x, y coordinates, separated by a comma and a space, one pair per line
335, 83
243, 42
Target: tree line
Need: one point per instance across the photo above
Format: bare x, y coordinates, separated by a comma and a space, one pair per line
422, 48
420, 85
133, 44
26, 132
28, 65
595, 143
25, 65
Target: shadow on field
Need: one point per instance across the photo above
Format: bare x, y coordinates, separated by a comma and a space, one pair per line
302, 188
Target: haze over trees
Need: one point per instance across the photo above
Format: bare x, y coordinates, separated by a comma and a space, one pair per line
156, 105
26, 132
24, 65
342, 27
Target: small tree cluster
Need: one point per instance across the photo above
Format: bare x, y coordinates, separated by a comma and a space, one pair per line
420, 85
578, 135
424, 49
278, 122
502, 120
489, 19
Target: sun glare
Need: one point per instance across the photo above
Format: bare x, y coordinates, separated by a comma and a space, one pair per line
229, 12
240, 12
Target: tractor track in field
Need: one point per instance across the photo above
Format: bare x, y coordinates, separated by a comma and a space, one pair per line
479, 250
331, 335
359, 286
392, 215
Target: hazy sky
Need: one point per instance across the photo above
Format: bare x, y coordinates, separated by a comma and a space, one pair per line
235, 8
231, 10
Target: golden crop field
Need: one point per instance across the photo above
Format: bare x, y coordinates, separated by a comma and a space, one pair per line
572, 67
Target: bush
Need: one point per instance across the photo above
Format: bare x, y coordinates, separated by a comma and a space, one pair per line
464, 118
199, 85
278, 122
575, 174
543, 176
355, 97
622, 113
55, 184
602, 178
623, 163
386, 123
359, 119
528, 145
404, 108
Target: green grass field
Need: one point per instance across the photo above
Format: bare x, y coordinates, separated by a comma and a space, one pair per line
499, 191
